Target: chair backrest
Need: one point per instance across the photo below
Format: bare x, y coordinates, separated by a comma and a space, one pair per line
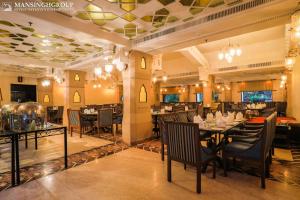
191, 115
105, 117
73, 118
183, 142
269, 133
182, 117
60, 112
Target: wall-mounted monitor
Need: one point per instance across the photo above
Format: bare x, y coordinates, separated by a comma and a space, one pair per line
23, 93
256, 96
171, 98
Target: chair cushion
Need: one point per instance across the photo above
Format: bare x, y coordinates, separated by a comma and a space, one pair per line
237, 147
245, 139
207, 154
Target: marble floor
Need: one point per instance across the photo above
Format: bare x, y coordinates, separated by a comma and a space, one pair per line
49, 148
138, 174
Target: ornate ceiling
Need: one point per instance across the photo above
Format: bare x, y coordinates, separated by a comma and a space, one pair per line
22, 40
132, 18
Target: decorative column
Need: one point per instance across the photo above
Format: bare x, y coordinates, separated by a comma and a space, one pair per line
45, 92
207, 92
74, 91
293, 88
156, 93
137, 121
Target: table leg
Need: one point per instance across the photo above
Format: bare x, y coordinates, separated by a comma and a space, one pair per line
66, 147
17, 160
13, 169
26, 141
35, 138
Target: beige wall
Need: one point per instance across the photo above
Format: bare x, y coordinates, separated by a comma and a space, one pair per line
7, 79
103, 95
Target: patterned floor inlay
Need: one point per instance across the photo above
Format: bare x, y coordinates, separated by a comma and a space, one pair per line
36, 171
281, 170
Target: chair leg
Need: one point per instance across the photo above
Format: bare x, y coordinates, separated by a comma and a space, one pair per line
270, 157
214, 169
169, 170
198, 184
162, 151
225, 165
267, 170
80, 132
71, 131
263, 175
184, 166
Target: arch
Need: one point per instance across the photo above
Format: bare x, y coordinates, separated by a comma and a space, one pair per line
143, 63
143, 94
76, 97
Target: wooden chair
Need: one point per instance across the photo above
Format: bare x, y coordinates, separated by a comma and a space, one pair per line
104, 119
58, 118
258, 151
184, 146
74, 121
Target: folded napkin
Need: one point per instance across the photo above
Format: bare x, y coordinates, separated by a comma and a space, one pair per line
219, 115
230, 117
92, 110
209, 117
168, 108
162, 111
198, 120
220, 122
239, 116
186, 108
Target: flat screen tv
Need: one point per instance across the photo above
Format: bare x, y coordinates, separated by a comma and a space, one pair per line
257, 96
171, 98
23, 93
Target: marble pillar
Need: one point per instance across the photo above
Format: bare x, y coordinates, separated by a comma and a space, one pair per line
207, 91
45, 93
74, 91
156, 93
137, 121
293, 88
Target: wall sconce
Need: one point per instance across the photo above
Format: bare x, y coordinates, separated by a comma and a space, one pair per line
45, 83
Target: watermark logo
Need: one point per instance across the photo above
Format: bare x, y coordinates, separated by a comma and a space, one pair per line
6, 6
36, 6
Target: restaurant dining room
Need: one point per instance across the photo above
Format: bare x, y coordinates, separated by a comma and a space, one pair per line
149, 99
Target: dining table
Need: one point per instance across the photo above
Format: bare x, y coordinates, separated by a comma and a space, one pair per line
214, 132
15, 134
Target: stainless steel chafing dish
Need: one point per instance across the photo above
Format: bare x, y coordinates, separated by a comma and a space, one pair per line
23, 116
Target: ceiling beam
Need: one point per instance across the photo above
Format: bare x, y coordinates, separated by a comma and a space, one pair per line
193, 53
76, 25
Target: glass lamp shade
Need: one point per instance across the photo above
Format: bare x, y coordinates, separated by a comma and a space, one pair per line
98, 71
289, 62
238, 51
221, 55
229, 59
154, 79
165, 78
108, 68
232, 51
